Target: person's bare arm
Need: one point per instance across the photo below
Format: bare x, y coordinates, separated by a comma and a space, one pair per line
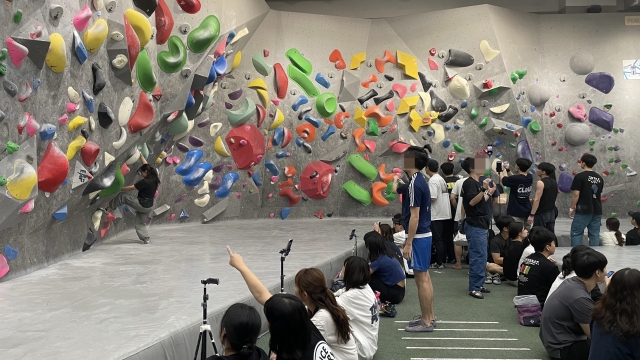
258, 290
586, 329
142, 159
128, 188
535, 203
497, 259
394, 187
453, 198
574, 202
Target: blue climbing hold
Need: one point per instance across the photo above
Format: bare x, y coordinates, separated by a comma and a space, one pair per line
212, 74
446, 143
278, 136
497, 143
183, 214
35, 84
188, 165
315, 122
220, 65
197, 174
190, 101
231, 36
10, 253
65, 182
456, 126
299, 141
447, 127
47, 132
281, 154
330, 131
464, 104
227, 181
532, 108
499, 155
322, 80
61, 213
164, 138
79, 48
518, 96
299, 102
512, 127
526, 121
271, 166
285, 212
256, 179
89, 102
430, 132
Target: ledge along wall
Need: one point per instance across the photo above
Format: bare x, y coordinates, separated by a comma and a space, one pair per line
240, 185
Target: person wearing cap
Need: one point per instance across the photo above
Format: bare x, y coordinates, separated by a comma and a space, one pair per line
586, 206
633, 236
440, 211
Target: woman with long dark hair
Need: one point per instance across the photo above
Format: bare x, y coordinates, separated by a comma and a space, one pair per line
615, 328
387, 275
613, 236
386, 232
143, 204
543, 210
239, 331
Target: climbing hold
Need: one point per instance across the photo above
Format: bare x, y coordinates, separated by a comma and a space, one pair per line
99, 81
577, 134
261, 65
408, 64
322, 80
315, 180
11, 147
89, 153
357, 192
299, 102
513, 77
235, 95
225, 187
56, 58
105, 115
326, 104
82, 18
173, 60
426, 83
299, 61
303, 81
447, 115
47, 132
400, 89
387, 58
190, 6
96, 35
336, 58
242, 115
524, 150
141, 26
437, 104
500, 109
362, 166
144, 72
306, 131
601, 118
164, 22
459, 88
600, 81
89, 102
20, 185
582, 63
61, 213
521, 73
77, 122
357, 60
288, 193
488, 53
459, 58
75, 146
281, 80
368, 96
330, 131
432, 64
190, 161
196, 175
538, 95
246, 144
382, 98
535, 127
53, 168
143, 116
121, 140
17, 52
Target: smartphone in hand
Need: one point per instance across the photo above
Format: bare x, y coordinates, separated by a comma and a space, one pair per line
499, 167
610, 273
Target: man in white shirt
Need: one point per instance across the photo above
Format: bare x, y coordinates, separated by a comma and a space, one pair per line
454, 197
440, 211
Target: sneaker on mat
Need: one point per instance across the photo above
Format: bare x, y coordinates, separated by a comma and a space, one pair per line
496, 279
484, 290
416, 319
488, 279
419, 327
437, 266
145, 240
476, 294
388, 310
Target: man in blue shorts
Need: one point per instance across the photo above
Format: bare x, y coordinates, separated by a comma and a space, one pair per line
416, 209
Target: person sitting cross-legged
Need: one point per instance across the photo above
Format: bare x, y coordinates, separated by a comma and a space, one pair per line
537, 272
498, 250
387, 276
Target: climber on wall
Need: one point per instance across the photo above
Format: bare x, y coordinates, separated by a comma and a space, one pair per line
143, 204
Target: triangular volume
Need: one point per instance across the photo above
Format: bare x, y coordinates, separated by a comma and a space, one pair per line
37, 49
450, 72
35, 37
179, 99
80, 176
116, 50
349, 87
183, 214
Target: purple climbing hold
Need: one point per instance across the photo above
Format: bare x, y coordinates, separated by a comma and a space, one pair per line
601, 118
219, 167
524, 151
204, 123
235, 95
180, 198
564, 182
182, 147
228, 105
600, 81
215, 183
195, 141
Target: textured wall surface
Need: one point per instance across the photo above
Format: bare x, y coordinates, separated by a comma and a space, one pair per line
540, 44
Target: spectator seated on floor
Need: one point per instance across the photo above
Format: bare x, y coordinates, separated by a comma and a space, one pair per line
386, 232
361, 305
615, 328
612, 236
399, 238
633, 235
537, 273
564, 326
239, 331
567, 273
498, 250
528, 250
518, 240
296, 332
387, 275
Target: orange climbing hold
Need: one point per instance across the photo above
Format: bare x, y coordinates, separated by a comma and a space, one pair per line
285, 184
387, 58
376, 193
339, 119
290, 171
307, 132
387, 178
337, 59
293, 198
357, 135
366, 82
376, 113
318, 214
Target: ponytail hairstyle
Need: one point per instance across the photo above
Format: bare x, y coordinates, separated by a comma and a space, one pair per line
241, 324
312, 282
548, 169
152, 173
613, 224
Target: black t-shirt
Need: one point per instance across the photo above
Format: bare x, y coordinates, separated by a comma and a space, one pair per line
497, 245
549, 195
511, 260
476, 215
451, 182
606, 345
146, 191
318, 348
258, 354
519, 203
536, 275
590, 185
633, 237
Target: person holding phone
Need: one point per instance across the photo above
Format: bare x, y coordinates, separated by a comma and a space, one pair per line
521, 185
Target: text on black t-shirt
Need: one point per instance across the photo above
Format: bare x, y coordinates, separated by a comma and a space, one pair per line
590, 185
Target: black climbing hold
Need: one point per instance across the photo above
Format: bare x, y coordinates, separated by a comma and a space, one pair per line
307, 148
305, 198
101, 181
99, 81
366, 97
343, 135
426, 83
388, 77
448, 114
303, 112
424, 137
105, 115
329, 214
459, 58
382, 98
437, 104
344, 109
315, 173
147, 6
10, 88
89, 240
85, 133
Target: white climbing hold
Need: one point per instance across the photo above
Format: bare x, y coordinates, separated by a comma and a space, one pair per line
204, 189
459, 88
161, 210
202, 201
120, 61
500, 109
117, 36
74, 97
208, 176
134, 157
98, 4
439, 133
488, 53
426, 100
214, 128
239, 35
123, 138
92, 123
125, 111
96, 218
108, 158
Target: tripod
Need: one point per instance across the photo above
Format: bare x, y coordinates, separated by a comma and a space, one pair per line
205, 328
283, 255
354, 237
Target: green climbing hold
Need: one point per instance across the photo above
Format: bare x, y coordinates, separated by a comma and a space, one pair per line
179, 125
487, 173
144, 150
591, 148
3, 69
494, 91
200, 38
535, 127
616, 130
173, 60
458, 148
357, 192
116, 185
3, 54
363, 166
512, 145
12, 147
608, 106
638, 203
474, 113
303, 81
243, 114
299, 61
513, 77
3, 181
484, 122
592, 142
372, 127
17, 17
610, 148
326, 104
623, 166
612, 172
388, 192
614, 214
261, 65
144, 72
521, 73
611, 160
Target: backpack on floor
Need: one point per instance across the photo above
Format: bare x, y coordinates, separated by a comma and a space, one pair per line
529, 310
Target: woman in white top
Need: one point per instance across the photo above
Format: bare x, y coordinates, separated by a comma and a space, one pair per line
567, 269
360, 303
612, 237
330, 318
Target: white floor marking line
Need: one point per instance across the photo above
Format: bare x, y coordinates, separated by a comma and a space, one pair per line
476, 330
464, 348
455, 338
456, 322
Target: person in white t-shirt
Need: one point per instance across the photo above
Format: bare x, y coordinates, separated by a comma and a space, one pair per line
399, 238
440, 211
454, 197
359, 301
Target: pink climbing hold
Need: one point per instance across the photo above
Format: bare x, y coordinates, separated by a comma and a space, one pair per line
176, 160
272, 215
414, 87
169, 160
156, 194
82, 18
172, 216
63, 119
238, 195
433, 65
17, 52
578, 112
220, 49
28, 207
391, 106
124, 169
400, 89
276, 102
4, 266
265, 53
71, 107
371, 145
270, 196
274, 179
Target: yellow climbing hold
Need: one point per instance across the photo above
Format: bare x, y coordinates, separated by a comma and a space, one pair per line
56, 58
220, 148
75, 146
236, 60
408, 64
487, 51
407, 104
499, 109
416, 120
24, 179
140, 25
277, 120
77, 122
359, 117
357, 59
264, 97
258, 84
95, 35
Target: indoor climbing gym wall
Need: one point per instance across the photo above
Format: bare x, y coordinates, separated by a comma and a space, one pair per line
252, 113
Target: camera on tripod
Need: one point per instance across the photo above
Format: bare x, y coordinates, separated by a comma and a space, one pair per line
205, 328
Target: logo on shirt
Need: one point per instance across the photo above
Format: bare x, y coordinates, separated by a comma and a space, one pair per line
374, 313
323, 352
524, 191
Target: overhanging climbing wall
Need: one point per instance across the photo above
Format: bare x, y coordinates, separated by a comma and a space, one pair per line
250, 113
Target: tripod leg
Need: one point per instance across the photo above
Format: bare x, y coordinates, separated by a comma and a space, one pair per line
213, 343
195, 356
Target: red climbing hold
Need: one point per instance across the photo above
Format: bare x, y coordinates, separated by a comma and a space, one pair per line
290, 171
317, 187
157, 93
318, 214
559, 125
286, 139
606, 173
285, 184
261, 112
337, 59
164, 22
133, 43
282, 81
432, 51
293, 198
89, 153
265, 53
433, 65
53, 168
246, 144
554, 143
398, 147
143, 116
189, 6
380, 62
487, 84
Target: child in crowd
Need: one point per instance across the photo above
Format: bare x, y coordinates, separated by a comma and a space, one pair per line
633, 235
537, 273
239, 331
361, 305
518, 241
387, 275
613, 236
399, 237
497, 250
